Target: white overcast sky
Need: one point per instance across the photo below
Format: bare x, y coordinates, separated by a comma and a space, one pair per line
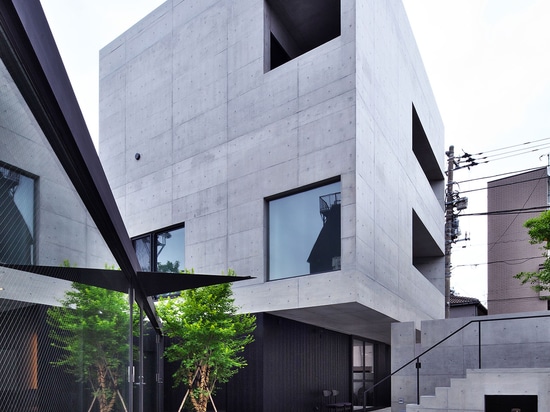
488, 62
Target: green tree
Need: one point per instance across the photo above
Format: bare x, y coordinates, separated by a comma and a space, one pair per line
91, 327
207, 336
539, 232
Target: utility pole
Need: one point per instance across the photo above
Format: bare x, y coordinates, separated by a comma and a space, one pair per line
454, 204
449, 217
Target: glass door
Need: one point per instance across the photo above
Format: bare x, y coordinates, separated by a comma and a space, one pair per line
363, 374
147, 381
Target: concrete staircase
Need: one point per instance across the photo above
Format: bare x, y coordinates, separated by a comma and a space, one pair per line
468, 394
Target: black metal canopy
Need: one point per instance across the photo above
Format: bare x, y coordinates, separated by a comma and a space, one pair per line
152, 283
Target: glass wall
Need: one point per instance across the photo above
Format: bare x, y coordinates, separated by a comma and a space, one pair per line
304, 232
64, 345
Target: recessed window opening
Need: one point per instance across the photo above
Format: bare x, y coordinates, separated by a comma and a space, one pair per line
304, 232
162, 250
426, 253
294, 27
426, 157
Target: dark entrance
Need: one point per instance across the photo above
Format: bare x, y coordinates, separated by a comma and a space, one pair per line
511, 403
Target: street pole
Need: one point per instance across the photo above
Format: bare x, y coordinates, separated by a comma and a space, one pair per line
449, 209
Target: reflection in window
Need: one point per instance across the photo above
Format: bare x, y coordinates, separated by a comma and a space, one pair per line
16, 217
169, 250
304, 232
142, 246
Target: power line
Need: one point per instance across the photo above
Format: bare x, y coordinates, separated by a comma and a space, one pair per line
508, 211
468, 160
506, 184
511, 262
498, 175
504, 148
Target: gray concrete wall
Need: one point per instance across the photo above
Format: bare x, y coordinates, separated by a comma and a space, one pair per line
186, 89
62, 227
515, 343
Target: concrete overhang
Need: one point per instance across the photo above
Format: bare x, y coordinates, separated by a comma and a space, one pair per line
349, 318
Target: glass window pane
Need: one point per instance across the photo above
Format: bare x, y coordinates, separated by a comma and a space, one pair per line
142, 246
304, 232
170, 246
16, 217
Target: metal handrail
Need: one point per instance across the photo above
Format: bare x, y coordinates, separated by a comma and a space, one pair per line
417, 358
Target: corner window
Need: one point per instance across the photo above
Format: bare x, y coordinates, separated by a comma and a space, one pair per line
294, 27
161, 251
304, 232
16, 216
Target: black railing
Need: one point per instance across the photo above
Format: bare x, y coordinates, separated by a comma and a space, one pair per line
418, 364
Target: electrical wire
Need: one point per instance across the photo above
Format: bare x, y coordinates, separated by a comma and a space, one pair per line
498, 175
503, 155
504, 148
520, 261
508, 211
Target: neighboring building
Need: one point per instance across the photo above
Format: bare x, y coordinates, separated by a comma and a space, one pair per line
296, 141
508, 250
462, 306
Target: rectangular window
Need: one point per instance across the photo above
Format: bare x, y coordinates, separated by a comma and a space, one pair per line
16, 216
162, 250
304, 232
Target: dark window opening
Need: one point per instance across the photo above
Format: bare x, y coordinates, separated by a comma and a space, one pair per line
425, 155
294, 27
426, 253
278, 54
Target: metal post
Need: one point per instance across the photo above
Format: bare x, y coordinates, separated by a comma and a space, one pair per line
418, 366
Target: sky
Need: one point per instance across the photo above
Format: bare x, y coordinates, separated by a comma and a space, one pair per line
488, 62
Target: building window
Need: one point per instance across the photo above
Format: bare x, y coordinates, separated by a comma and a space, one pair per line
294, 27
422, 149
304, 232
16, 216
426, 254
162, 250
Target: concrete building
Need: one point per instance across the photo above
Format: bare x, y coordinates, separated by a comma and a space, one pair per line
297, 142
508, 250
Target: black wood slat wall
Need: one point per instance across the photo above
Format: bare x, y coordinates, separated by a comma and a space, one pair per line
290, 364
